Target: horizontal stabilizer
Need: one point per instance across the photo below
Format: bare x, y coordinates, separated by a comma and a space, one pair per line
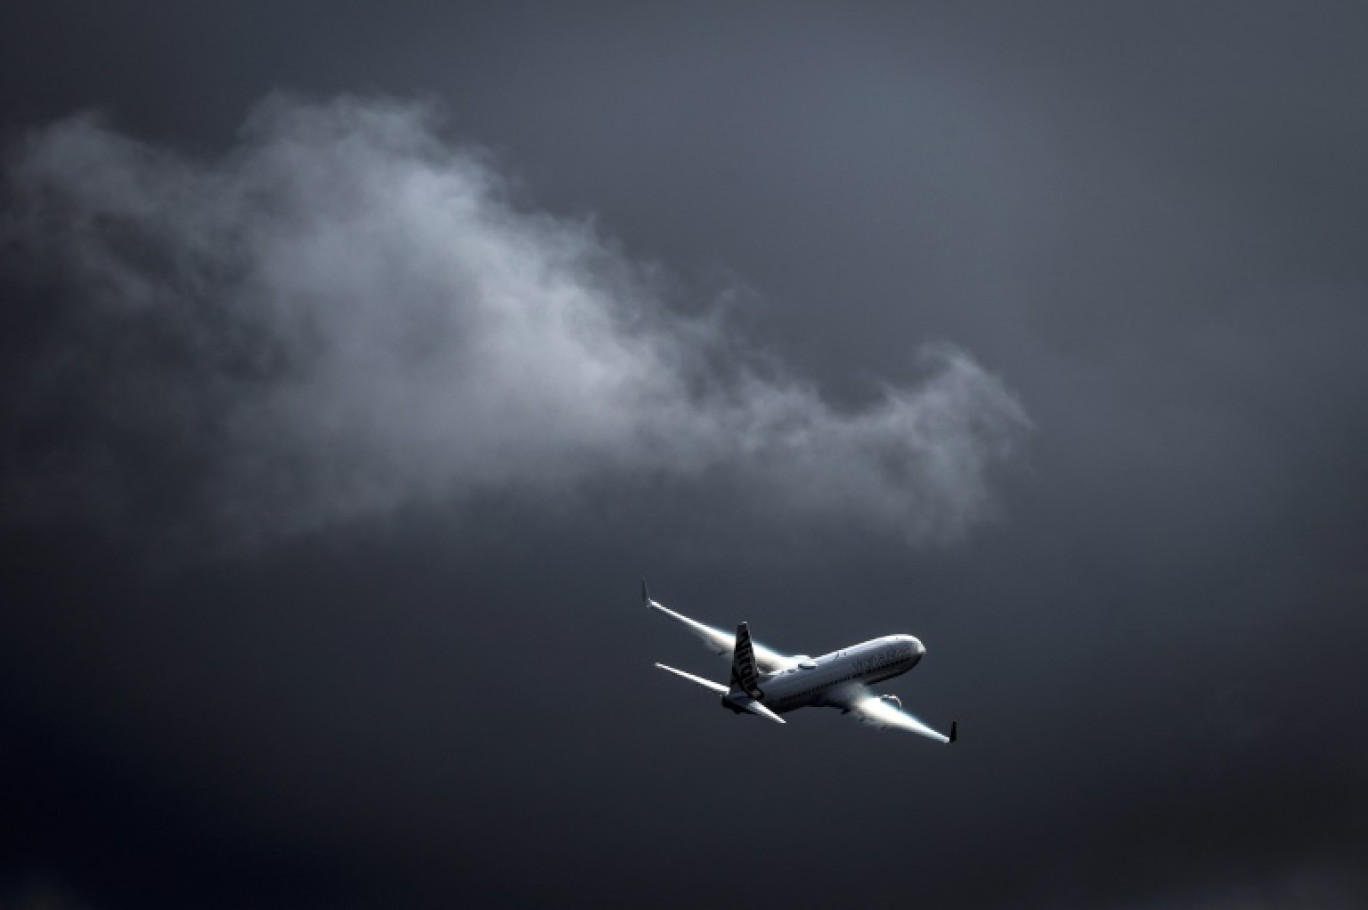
705, 683
755, 707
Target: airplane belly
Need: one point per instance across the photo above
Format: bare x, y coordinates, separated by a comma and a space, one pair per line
888, 671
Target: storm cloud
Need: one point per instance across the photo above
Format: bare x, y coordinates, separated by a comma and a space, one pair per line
348, 312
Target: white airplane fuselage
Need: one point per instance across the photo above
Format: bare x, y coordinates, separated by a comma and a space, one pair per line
808, 681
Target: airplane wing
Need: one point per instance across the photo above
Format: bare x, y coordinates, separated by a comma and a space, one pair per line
722, 642
883, 712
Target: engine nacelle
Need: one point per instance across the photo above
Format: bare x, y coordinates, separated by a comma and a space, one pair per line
874, 720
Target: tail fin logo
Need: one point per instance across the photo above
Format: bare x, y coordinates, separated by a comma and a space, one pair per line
745, 677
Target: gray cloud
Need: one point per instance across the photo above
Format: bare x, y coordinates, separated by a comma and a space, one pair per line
348, 313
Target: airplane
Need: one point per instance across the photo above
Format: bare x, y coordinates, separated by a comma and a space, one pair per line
767, 683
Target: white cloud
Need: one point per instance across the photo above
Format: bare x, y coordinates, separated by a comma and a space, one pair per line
346, 314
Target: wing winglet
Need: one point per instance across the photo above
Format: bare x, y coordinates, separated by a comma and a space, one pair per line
954, 730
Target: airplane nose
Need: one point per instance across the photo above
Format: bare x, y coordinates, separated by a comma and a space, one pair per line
918, 649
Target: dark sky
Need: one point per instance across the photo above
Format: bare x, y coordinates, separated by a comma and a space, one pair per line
358, 362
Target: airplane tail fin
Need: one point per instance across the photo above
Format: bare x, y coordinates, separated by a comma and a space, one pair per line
745, 675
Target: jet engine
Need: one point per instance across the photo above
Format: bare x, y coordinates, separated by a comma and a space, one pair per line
877, 722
